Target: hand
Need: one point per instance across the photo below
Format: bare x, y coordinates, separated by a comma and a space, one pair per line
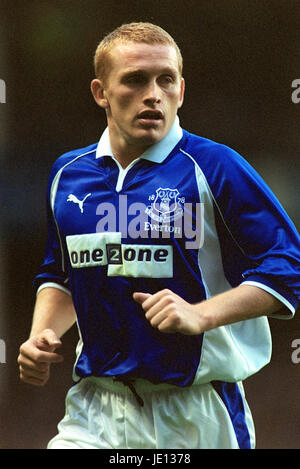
169, 313
36, 356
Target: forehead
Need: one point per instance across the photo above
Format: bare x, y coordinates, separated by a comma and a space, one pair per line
128, 56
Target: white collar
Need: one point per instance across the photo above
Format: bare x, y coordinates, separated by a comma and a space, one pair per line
156, 153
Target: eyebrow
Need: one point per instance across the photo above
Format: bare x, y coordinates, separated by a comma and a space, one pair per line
141, 71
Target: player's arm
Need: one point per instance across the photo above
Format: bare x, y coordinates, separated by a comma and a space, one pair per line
249, 215
53, 315
54, 312
170, 313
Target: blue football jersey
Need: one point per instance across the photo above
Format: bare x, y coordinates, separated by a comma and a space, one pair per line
190, 215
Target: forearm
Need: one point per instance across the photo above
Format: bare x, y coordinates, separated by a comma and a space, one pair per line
170, 313
54, 310
239, 304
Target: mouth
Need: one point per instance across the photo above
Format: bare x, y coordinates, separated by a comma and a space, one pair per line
150, 115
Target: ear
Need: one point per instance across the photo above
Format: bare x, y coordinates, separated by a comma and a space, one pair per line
182, 88
99, 93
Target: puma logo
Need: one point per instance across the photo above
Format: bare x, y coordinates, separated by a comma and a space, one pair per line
73, 198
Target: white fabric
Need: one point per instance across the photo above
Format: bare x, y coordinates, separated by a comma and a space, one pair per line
171, 418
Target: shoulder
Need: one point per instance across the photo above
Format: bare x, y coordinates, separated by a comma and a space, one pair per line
218, 162
71, 156
205, 151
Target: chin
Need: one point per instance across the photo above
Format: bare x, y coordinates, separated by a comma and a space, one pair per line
151, 136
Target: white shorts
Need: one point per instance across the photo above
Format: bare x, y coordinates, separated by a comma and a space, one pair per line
102, 413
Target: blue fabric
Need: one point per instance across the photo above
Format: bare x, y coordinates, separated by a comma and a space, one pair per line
256, 236
232, 398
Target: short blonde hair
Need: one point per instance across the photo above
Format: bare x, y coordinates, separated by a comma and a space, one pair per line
133, 32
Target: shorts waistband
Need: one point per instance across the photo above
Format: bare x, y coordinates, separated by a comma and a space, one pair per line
119, 384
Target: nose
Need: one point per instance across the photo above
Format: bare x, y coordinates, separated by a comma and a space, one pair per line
152, 94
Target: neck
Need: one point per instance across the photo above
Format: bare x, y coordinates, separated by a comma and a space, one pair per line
126, 157
126, 153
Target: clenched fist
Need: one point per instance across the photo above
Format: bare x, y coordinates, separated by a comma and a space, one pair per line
36, 356
170, 313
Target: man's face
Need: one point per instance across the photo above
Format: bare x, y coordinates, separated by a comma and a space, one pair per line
141, 95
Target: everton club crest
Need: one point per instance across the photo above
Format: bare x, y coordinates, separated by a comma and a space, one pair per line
166, 205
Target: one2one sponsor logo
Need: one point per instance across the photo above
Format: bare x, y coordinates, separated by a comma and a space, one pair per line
127, 260
296, 93
2, 91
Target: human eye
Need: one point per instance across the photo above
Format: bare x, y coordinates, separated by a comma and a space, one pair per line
134, 79
166, 79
